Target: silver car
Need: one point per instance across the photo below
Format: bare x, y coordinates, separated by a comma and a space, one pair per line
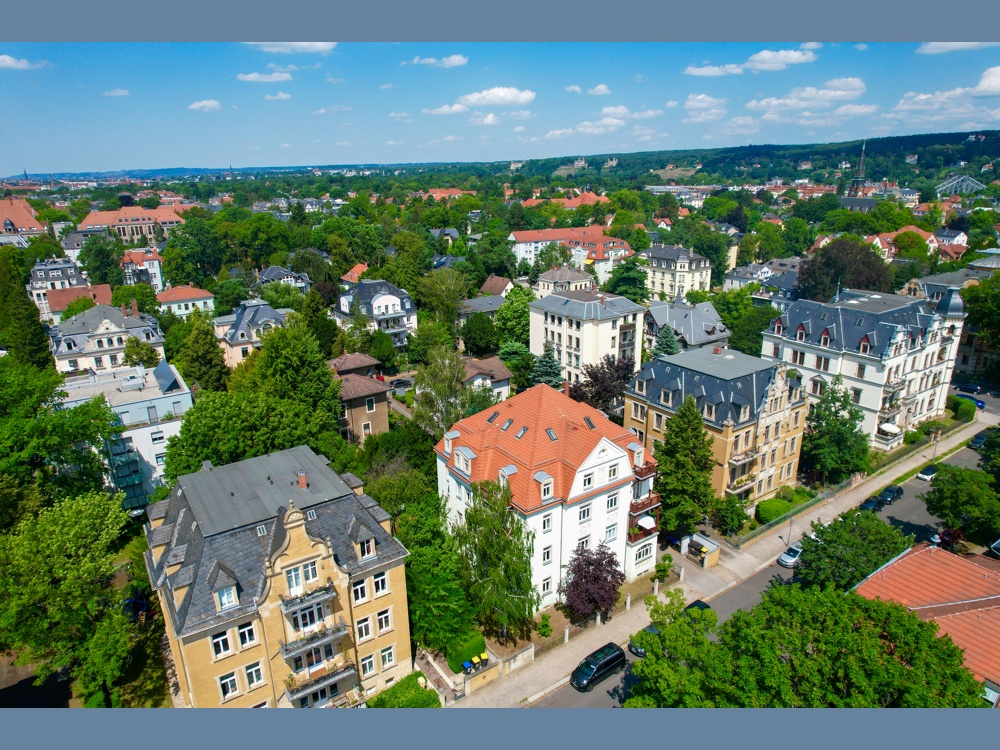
791, 556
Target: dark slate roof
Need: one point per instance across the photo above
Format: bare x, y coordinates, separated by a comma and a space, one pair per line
488, 305
864, 205
250, 316
81, 326
448, 232
947, 234
367, 290
211, 523
939, 283
698, 324
277, 273
672, 253
786, 281
587, 305
444, 261
564, 273
729, 380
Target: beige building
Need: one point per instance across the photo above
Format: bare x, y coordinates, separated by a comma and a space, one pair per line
564, 279
674, 270
280, 586
752, 408
240, 332
365, 407
133, 223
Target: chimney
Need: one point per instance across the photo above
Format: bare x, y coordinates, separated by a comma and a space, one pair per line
124, 311
565, 387
716, 350
135, 309
303, 484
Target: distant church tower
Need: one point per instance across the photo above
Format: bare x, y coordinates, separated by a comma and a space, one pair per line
856, 190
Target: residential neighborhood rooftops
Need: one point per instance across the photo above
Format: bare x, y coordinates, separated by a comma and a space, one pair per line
489, 366
354, 275
129, 215
697, 324
494, 285
354, 386
350, 361
587, 305
564, 273
487, 305
59, 299
125, 385
182, 294
20, 215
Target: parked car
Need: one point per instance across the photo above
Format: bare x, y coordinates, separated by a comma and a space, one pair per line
927, 473
979, 439
400, 383
639, 651
969, 388
790, 557
891, 494
874, 504
597, 666
698, 604
973, 399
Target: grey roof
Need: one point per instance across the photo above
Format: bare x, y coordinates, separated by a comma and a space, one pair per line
81, 326
730, 381
564, 273
250, 316
587, 305
445, 261
786, 281
864, 205
366, 290
210, 528
992, 263
447, 232
947, 234
277, 273
939, 283
488, 305
672, 253
696, 324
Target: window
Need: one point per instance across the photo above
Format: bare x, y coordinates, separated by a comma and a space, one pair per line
612, 501
588, 480
388, 656
744, 413
824, 340
709, 411
665, 398
856, 395
220, 644
546, 586
823, 363
156, 437
380, 584
865, 347
584, 543
644, 552
309, 572
584, 513
791, 449
114, 360
611, 533
360, 590
247, 634
293, 577
546, 555
364, 629
638, 411
98, 362
546, 523
226, 597
800, 335
384, 622
311, 516
161, 459
254, 675
547, 489
370, 404
73, 364
261, 530
861, 371
227, 684
367, 547
612, 472
307, 617
367, 665
798, 358
817, 388
775, 350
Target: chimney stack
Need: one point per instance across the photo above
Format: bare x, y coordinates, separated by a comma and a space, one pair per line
124, 311
565, 387
135, 309
303, 484
716, 350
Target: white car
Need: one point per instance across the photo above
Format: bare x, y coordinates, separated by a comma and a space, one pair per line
791, 556
927, 473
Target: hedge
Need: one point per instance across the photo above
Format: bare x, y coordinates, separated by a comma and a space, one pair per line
464, 648
965, 410
406, 694
768, 510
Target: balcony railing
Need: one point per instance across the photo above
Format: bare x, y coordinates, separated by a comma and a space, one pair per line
888, 442
745, 457
122, 459
645, 471
741, 484
315, 596
889, 410
638, 506
129, 480
297, 687
637, 535
312, 640
895, 386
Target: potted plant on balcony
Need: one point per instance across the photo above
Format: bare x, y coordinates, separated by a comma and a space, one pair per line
290, 681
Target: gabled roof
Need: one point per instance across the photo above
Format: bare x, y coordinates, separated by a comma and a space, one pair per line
697, 324
141, 257
492, 367
250, 315
494, 285
182, 294
672, 252
129, 215
354, 386
352, 276
565, 273
59, 299
21, 215
350, 361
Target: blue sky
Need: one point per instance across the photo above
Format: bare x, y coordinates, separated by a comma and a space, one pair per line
107, 106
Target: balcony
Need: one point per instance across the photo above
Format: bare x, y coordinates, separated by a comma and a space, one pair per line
645, 471
888, 411
739, 459
888, 442
639, 506
129, 480
637, 535
315, 596
122, 459
741, 484
298, 687
895, 386
315, 639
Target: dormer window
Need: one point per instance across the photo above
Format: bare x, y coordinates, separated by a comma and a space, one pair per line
824, 340
640, 386
226, 597
665, 398
447, 445
462, 463
865, 347
778, 328
744, 413
709, 411
639, 456
546, 489
800, 335
367, 548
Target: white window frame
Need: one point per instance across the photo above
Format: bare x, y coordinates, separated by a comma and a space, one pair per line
546, 523
584, 513
644, 552
359, 591
293, 579
386, 615
547, 555
367, 548
612, 502
364, 627
611, 533
367, 665
546, 489
229, 680
387, 656
226, 597
255, 675
370, 404
588, 480
309, 572
380, 584
298, 617
221, 645
583, 542
546, 585
247, 634
612, 472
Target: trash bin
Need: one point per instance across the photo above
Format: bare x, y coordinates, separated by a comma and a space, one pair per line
476, 663
484, 658
467, 667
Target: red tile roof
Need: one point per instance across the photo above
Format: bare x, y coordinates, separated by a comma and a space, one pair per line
572, 203
59, 299
539, 409
352, 361
21, 214
140, 257
591, 238
354, 386
182, 293
354, 275
951, 252
491, 366
494, 285
961, 596
130, 215
447, 193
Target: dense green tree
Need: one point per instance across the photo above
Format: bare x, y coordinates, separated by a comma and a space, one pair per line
797, 237
849, 549
429, 336
554, 255
965, 499
747, 333
513, 318
383, 349
139, 353
843, 264
101, 257
520, 362
629, 279
834, 445
666, 342
323, 327
982, 304
143, 294
64, 614
228, 295
282, 296
715, 247
442, 293
152, 201
495, 547
77, 306
684, 469
443, 394
21, 332
989, 456
547, 369
591, 582
479, 335
200, 358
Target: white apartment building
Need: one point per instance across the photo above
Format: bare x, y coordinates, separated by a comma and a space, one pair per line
582, 327
895, 354
576, 479
51, 274
387, 307
143, 267
95, 339
674, 270
183, 300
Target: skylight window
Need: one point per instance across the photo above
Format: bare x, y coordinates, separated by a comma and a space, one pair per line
507, 424
590, 423
492, 418
551, 434
520, 433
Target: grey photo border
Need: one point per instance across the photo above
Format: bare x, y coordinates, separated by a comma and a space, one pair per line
582, 22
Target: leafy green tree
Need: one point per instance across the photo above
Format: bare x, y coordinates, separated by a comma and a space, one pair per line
513, 318
430, 335
845, 264
684, 469
520, 362
554, 255
849, 549
666, 342
834, 444
383, 349
153, 201
479, 335
322, 326
747, 334
21, 332
280, 296
495, 547
982, 304
965, 499
101, 257
443, 395
547, 369
63, 614
591, 582
629, 280
77, 306
200, 359
442, 293
140, 353
228, 295
143, 294
478, 398
989, 456
797, 237
729, 513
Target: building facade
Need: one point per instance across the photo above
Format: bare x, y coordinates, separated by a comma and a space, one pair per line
95, 339
183, 300
51, 274
143, 267
675, 270
133, 223
576, 479
365, 407
488, 372
564, 279
388, 308
583, 327
279, 585
241, 331
895, 354
279, 275
695, 326
753, 409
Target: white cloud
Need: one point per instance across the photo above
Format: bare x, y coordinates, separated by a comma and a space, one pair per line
325, 110
274, 77
600, 89
281, 96
342, 143
950, 105
286, 145
387, 86
861, 47
519, 129
743, 125
804, 97
811, 45
561, 133
479, 118
331, 79
779, 59
623, 111
856, 110
12, 63
205, 105
519, 114
400, 116
574, 89
451, 138
498, 96
989, 83
291, 68
704, 108
452, 61
587, 127
315, 48
936, 48
393, 143
446, 109
713, 70
116, 92
671, 104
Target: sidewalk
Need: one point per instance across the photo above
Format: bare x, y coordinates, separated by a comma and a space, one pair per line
543, 674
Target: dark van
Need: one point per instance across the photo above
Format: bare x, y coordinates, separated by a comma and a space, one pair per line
603, 662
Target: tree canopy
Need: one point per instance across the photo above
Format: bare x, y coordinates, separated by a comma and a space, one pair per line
101, 257
843, 264
629, 279
513, 318
965, 499
591, 582
834, 444
684, 469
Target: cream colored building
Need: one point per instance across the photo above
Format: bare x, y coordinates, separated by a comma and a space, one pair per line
674, 270
240, 332
280, 585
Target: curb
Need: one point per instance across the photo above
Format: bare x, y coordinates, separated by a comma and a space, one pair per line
541, 694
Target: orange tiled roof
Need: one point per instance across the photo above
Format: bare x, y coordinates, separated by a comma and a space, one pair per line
494, 285
59, 299
182, 293
21, 214
539, 409
130, 215
139, 257
574, 202
951, 251
961, 596
354, 275
491, 366
446, 193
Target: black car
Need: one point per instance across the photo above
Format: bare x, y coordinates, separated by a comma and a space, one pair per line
605, 661
698, 604
980, 438
874, 504
639, 650
969, 388
400, 383
890, 494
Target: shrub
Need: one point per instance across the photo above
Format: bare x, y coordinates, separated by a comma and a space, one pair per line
406, 693
966, 411
663, 568
464, 648
544, 626
768, 510
911, 437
